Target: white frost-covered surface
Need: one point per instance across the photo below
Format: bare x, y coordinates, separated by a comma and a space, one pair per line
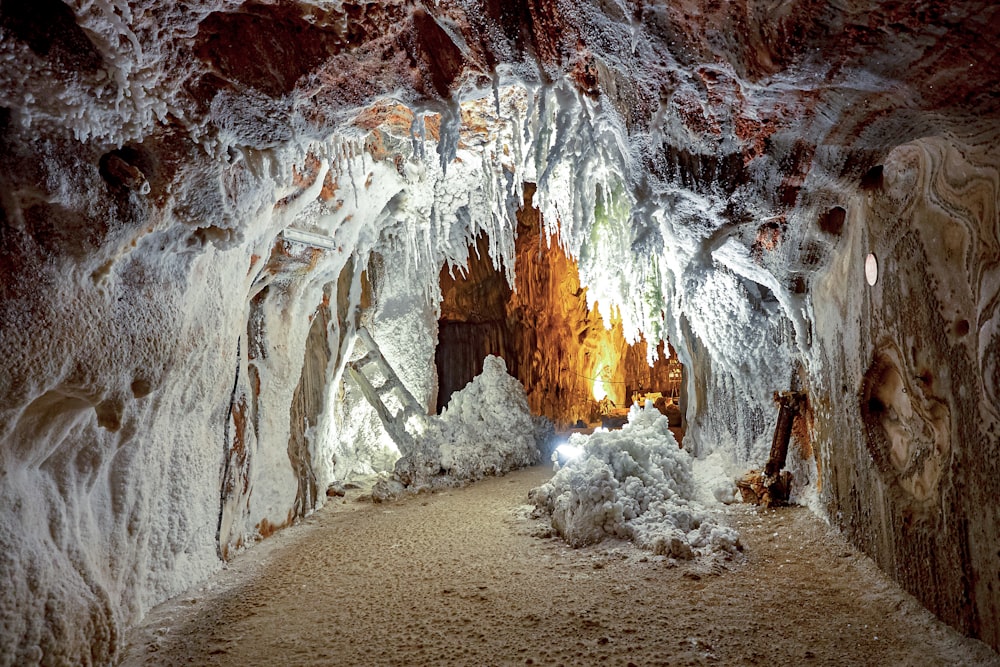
636, 484
486, 429
714, 477
116, 485
103, 524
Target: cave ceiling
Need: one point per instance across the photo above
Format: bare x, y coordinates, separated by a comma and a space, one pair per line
724, 91
201, 202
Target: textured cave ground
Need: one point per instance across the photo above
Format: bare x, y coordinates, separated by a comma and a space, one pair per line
464, 577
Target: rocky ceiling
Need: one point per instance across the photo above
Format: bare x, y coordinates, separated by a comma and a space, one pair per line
173, 349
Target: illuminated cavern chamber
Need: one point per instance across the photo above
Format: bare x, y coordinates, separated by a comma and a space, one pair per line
172, 388
574, 366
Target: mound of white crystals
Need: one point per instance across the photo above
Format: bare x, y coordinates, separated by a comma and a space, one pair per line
487, 427
635, 484
486, 430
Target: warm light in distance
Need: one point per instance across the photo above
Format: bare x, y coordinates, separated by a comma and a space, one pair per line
600, 393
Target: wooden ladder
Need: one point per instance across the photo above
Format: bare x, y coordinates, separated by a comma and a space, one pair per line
410, 416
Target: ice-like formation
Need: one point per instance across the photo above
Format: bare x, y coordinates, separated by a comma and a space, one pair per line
636, 484
485, 430
202, 333
171, 388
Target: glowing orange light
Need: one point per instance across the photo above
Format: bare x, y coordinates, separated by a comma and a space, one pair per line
600, 393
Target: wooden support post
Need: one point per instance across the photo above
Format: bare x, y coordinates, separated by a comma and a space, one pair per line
788, 406
772, 487
777, 484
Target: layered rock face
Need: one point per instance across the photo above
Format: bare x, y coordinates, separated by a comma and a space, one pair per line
201, 201
909, 425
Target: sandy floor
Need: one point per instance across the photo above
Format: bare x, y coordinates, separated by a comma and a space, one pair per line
465, 578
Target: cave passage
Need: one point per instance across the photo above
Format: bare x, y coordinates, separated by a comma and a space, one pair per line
461, 578
576, 369
206, 213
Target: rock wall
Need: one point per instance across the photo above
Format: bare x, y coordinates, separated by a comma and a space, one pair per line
717, 170
556, 344
162, 383
910, 425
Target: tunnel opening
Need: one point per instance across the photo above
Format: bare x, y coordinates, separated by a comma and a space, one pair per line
577, 369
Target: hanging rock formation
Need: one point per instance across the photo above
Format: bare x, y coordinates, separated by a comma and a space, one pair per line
557, 345
171, 388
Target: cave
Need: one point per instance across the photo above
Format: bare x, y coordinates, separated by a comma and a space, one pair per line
576, 368
260, 258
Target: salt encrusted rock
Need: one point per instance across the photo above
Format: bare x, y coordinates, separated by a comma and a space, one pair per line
634, 484
486, 430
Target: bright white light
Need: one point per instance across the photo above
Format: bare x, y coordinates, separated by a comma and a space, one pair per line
569, 452
871, 269
599, 392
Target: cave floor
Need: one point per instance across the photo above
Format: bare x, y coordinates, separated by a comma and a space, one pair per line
464, 577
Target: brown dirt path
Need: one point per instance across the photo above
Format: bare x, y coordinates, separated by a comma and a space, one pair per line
463, 578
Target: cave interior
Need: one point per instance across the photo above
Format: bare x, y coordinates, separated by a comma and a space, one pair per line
204, 204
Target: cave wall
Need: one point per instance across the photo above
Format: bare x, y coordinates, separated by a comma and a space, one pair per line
711, 167
910, 425
562, 341
156, 404
472, 322
565, 343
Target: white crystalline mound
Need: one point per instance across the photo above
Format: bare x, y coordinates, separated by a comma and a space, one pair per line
634, 484
487, 428
714, 479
